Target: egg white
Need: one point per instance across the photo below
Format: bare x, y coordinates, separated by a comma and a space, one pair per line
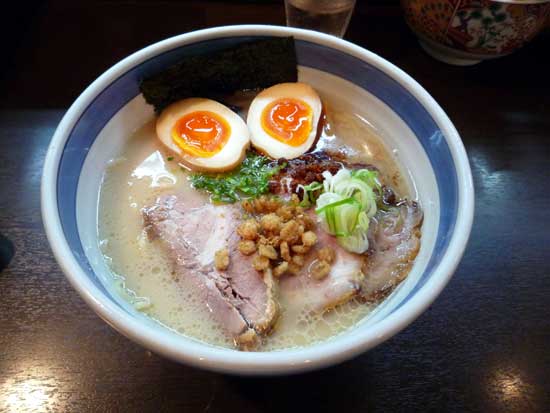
228, 157
266, 143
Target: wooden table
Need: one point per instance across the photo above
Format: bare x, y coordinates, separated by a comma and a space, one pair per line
484, 345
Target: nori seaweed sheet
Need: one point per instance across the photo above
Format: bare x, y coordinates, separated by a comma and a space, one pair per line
253, 65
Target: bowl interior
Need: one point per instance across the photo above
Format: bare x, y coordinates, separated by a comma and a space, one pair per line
397, 136
415, 133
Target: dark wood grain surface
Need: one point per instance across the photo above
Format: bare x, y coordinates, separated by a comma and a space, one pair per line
484, 345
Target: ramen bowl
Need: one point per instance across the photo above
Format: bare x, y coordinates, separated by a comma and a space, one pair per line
409, 121
465, 32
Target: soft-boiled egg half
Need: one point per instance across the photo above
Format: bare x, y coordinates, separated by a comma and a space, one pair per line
207, 135
283, 119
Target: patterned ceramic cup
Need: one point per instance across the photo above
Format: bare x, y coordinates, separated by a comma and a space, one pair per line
465, 32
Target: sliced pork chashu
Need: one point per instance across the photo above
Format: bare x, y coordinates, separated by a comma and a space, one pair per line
341, 284
239, 299
394, 238
394, 241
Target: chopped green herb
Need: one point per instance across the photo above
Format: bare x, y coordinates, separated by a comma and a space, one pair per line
249, 180
310, 193
252, 65
170, 158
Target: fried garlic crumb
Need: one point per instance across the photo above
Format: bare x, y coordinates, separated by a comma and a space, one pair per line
280, 269
268, 251
309, 223
320, 270
271, 222
309, 238
299, 249
248, 229
290, 232
326, 254
285, 252
248, 206
298, 260
247, 247
285, 212
260, 263
221, 259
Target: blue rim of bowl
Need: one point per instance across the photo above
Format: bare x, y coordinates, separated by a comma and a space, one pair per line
117, 91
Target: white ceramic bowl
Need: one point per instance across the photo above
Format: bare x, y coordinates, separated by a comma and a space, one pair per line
410, 122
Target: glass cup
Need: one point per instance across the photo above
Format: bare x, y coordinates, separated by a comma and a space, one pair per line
327, 16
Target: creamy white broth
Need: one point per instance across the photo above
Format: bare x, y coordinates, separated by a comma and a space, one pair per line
145, 275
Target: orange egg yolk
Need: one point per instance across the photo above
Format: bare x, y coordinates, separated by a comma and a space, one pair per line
288, 120
201, 133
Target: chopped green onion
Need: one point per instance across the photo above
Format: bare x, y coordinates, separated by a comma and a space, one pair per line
347, 205
310, 193
369, 177
335, 204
